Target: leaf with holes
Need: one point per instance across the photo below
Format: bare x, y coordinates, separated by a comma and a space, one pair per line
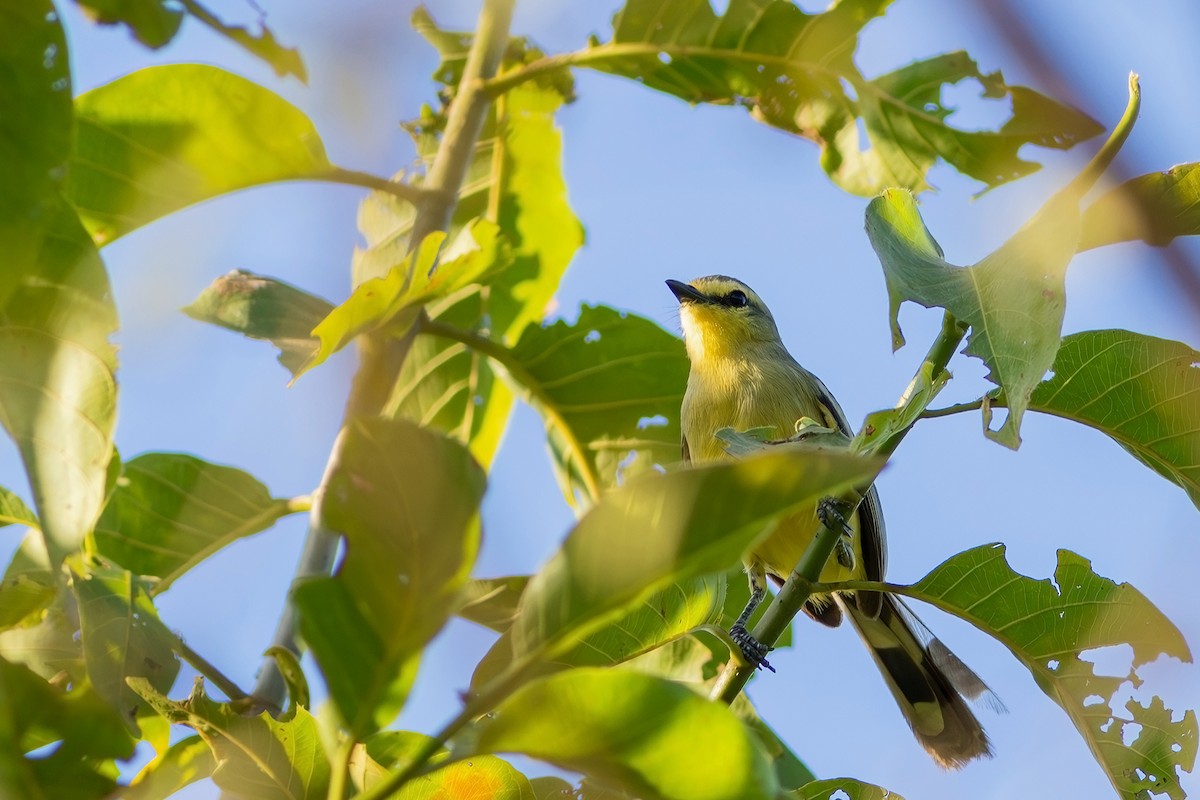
1155, 208
796, 71
1142, 391
170, 511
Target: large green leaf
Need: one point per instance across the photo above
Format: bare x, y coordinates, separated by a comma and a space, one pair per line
1049, 625
406, 499
185, 762
170, 511
645, 734
1013, 299
264, 308
796, 71
478, 778
163, 138
609, 387
1142, 391
259, 757
662, 529
123, 637
1154, 208
89, 735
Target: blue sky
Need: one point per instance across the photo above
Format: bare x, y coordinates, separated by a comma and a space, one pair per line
670, 191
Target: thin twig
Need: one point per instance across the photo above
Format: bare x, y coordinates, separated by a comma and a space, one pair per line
206, 668
957, 408
404, 191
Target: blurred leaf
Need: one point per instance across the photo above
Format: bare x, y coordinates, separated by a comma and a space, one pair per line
477, 778
289, 667
406, 499
645, 734
1142, 391
123, 637
185, 762
13, 510
87, 731
1154, 208
258, 757
46, 641
24, 594
163, 138
1013, 299
659, 530
1050, 626
492, 602
790, 771
609, 388
284, 60
842, 789
549, 788
152, 22
796, 71
170, 511
264, 308
387, 750
429, 274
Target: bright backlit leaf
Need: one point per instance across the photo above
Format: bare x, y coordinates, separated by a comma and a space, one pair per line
1142, 391
841, 789
1155, 208
170, 511
13, 510
185, 762
406, 500
648, 735
258, 757
477, 778
166, 137
24, 594
796, 71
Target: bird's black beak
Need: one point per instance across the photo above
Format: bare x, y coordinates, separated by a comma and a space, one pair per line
686, 293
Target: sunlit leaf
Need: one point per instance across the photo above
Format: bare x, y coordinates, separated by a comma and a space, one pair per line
166, 137
477, 778
185, 762
1142, 391
89, 735
45, 641
1154, 208
288, 664
1050, 626
406, 500
492, 602
264, 308
24, 594
258, 757
1013, 299
609, 388
123, 637
170, 511
842, 789
796, 71
13, 510
660, 530
646, 734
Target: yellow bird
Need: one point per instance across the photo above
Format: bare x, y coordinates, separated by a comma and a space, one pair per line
742, 377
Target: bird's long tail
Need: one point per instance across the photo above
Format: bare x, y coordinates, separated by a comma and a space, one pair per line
928, 682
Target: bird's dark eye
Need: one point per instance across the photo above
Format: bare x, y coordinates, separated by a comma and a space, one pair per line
737, 298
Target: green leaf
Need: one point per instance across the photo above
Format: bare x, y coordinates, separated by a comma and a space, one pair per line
185, 762
152, 22
45, 641
264, 308
406, 499
482, 777
258, 757
1154, 208
284, 60
428, 274
551, 789
24, 594
609, 388
1050, 626
796, 71
645, 734
289, 667
659, 530
1013, 299
13, 510
842, 788
170, 511
87, 731
164, 138
1142, 391
123, 637
492, 602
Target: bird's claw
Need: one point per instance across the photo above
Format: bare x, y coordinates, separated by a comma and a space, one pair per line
829, 512
754, 651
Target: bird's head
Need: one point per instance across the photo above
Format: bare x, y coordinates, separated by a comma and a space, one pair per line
721, 316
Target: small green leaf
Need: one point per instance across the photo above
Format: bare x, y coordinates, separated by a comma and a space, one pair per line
659, 530
164, 138
609, 387
123, 637
289, 667
264, 308
843, 789
258, 757
1154, 208
551, 789
185, 762
492, 602
170, 511
25, 594
1013, 299
1050, 626
152, 22
263, 44
13, 510
650, 736
45, 641
406, 500
796, 71
1142, 391
88, 733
